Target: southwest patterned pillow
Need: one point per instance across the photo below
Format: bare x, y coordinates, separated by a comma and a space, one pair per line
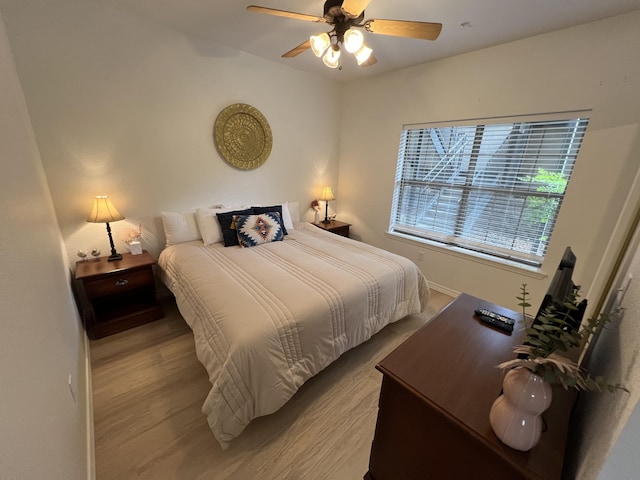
258, 229
274, 208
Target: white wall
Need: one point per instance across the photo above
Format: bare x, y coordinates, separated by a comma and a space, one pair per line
599, 419
125, 107
623, 462
593, 66
616, 356
44, 430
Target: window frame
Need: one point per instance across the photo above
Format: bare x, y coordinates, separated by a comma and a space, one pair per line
398, 224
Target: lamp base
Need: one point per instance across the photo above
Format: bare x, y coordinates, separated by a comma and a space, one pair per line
326, 213
114, 255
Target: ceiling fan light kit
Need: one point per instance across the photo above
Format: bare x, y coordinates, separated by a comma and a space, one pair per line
346, 16
353, 41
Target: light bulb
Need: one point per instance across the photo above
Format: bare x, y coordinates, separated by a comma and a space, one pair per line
353, 40
319, 43
332, 58
363, 54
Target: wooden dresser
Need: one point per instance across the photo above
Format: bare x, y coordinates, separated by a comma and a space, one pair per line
437, 390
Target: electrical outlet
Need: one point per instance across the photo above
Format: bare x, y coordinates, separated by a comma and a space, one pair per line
72, 388
420, 255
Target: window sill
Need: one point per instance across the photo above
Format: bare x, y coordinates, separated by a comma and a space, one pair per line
477, 257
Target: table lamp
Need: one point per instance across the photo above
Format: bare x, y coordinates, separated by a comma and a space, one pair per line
326, 196
103, 211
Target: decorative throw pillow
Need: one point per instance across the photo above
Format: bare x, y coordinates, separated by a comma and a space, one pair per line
227, 225
257, 229
273, 208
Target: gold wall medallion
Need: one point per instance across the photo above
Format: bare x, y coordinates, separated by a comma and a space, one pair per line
243, 136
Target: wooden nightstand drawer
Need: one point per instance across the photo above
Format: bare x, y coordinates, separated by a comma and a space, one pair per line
344, 231
119, 282
334, 226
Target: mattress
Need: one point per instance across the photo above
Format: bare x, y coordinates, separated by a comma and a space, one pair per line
267, 318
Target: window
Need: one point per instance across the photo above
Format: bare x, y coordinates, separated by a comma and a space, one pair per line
493, 186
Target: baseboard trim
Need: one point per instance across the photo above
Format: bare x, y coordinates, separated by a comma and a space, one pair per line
443, 289
91, 453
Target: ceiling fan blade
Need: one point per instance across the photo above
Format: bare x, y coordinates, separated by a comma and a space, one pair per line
402, 28
297, 50
372, 60
284, 13
353, 8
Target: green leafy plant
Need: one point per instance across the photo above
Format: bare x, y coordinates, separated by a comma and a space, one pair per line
523, 300
552, 339
542, 209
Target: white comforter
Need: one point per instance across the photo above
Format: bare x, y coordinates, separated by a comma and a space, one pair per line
267, 318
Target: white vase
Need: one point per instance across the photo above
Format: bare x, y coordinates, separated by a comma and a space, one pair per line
515, 415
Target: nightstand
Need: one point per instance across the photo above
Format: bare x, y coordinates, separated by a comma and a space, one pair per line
121, 294
339, 228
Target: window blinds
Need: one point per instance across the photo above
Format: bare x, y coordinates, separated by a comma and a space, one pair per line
494, 186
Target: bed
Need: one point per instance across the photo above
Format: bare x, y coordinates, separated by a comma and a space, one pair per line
268, 318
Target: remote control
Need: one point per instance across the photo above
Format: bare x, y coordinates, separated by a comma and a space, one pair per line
502, 318
496, 320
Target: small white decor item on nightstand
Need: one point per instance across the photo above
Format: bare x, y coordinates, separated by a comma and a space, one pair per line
136, 247
515, 415
132, 238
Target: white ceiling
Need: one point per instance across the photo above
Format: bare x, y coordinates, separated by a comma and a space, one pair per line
467, 25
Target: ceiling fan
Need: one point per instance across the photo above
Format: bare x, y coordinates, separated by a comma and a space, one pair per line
347, 19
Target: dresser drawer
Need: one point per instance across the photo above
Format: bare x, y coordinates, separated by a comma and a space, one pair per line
119, 282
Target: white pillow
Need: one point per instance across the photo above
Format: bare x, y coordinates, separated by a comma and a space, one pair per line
209, 225
294, 212
180, 227
286, 216
230, 206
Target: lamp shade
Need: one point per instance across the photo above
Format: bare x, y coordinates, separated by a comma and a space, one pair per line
332, 57
103, 211
363, 54
353, 40
319, 43
326, 194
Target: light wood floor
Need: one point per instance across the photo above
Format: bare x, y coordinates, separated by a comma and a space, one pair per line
148, 388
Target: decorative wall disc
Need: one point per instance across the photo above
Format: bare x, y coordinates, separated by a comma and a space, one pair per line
243, 136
